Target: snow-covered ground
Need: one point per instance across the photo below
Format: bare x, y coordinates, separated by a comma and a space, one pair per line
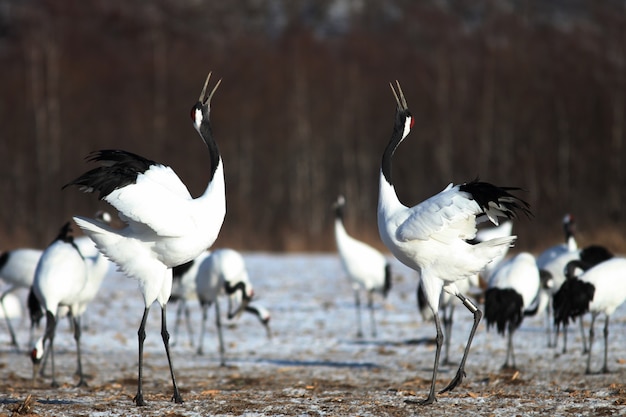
313, 364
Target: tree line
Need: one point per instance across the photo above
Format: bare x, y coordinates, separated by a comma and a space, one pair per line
516, 93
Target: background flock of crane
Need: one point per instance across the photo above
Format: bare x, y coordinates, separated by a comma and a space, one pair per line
163, 245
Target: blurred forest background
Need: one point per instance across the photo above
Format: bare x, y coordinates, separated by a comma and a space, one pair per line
528, 93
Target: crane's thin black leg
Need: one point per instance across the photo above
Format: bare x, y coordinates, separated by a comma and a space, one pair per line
447, 329
460, 374
550, 326
218, 324
79, 369
51, 325
591, 337
439, 342
370, 306
166, 342
510, 352
357, 305
9, 325
605, 368
205, 314
141, 333
188, 320
583, 335
565, 326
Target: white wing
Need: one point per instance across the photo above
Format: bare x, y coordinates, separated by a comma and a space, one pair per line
158, 200
448, 215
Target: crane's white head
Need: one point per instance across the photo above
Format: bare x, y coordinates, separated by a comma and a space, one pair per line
201, 110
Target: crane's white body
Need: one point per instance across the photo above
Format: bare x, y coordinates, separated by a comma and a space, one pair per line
609, 281
514, 280
222, 268
367, 269
166, 227
364, 265
17, 270
423, 236
520, 273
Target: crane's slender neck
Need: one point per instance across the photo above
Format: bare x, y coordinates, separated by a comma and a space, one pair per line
207, 136
400, 130
570, 268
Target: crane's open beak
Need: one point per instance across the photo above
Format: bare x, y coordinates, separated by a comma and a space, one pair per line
207, 100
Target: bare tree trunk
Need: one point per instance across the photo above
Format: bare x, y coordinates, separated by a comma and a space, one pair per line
443, 150
617, 145
485, 135
563, 154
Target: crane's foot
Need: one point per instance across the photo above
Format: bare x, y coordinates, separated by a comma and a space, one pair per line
426, 401
177, 398
82, 383
138, 400
456, 381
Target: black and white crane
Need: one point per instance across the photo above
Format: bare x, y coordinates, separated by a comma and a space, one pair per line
601, 289
165, 225
17, 269
512, 288
432, 236
223, 272
366, 268
589, 256
553, 261
447, 302
227, 261
64, 278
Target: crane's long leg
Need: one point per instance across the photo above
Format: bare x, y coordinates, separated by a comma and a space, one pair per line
8, 320
591, 336
582, 334
565, 326
205, 314
460, 374
166, 342
51, 324
141, 333
550, 326
439, 341
218, 325
79, 369
370, 306
448, 312
179, 315
357, 305
605, 368
510, 353
188, 320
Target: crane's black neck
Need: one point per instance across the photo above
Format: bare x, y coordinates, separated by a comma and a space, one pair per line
339, 209
240, 286
396, 137
206, 132
572, 265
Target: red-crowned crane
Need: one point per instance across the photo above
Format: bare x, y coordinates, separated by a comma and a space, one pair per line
432, 237
601, 289
513, 287
165, 226
366, 267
